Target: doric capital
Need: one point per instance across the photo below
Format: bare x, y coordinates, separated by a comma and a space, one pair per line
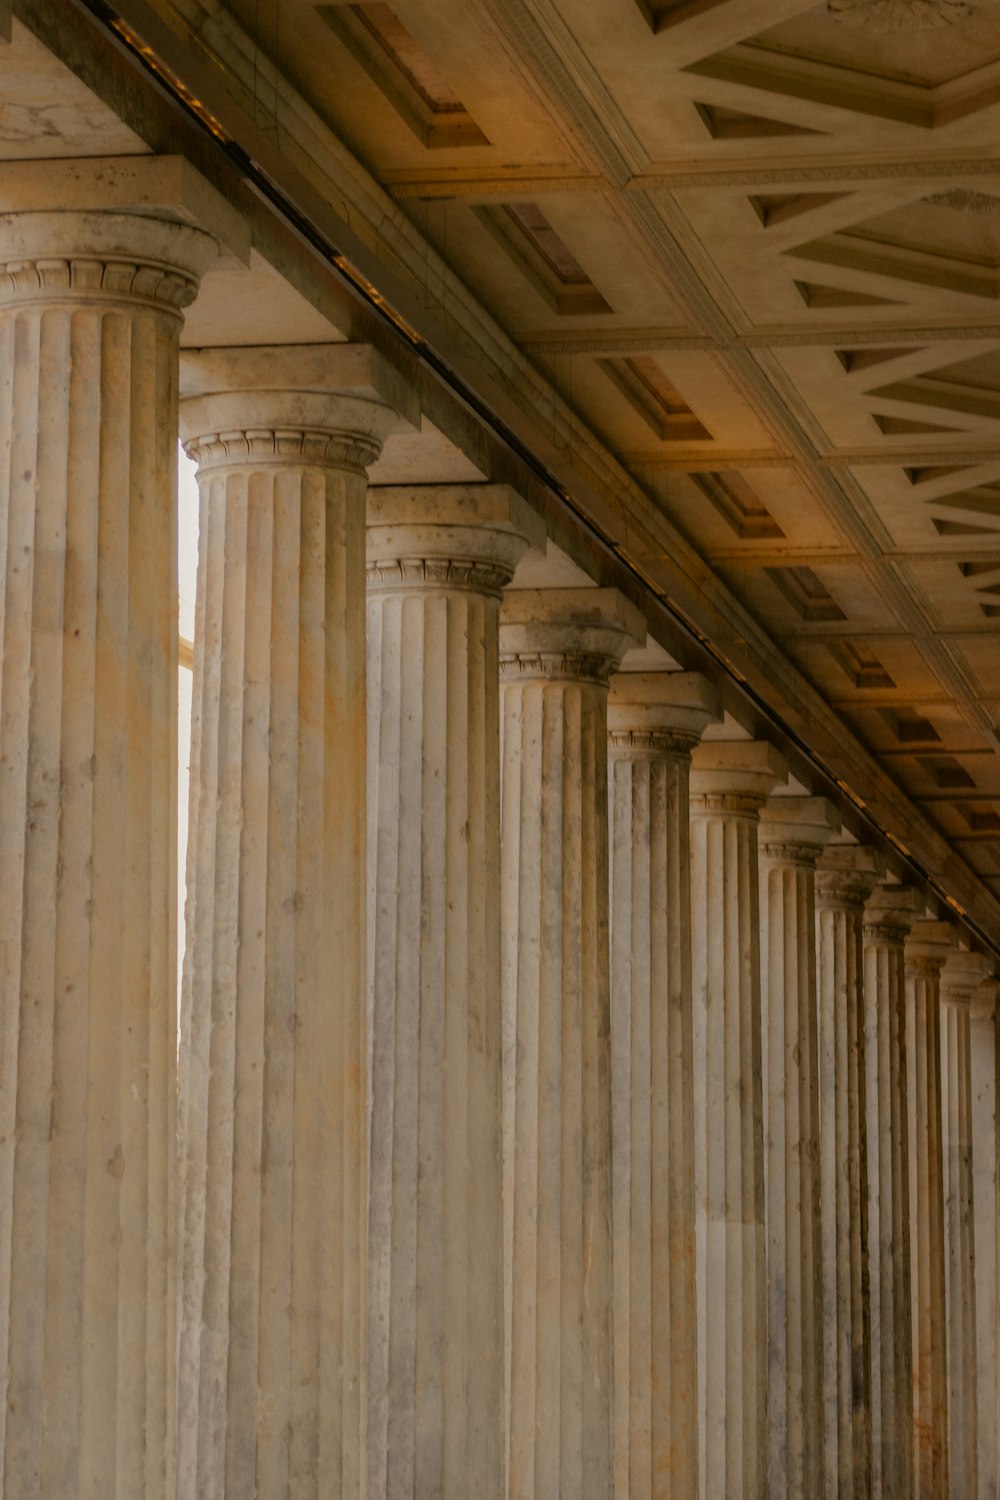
928, 947
795, 830
890, 912
580, 634
325, 404
735, 777
660, 713
984, 1001
92, 258
846, 876
465, 536
962, 975
134, 229
157, 188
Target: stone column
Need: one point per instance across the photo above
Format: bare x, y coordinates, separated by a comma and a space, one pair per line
927, 948
983, 1048
845, 879
90, 317
558, 649
960, 979
793, 831
438, 557
273, 1093
889, 915
654, 722
729, 784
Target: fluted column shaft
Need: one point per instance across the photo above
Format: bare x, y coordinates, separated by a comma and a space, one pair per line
729, 785
959, 980
437, 560
845, 880
926, 951
793, 832
888, 917
273, 1095
985, 1066
654, 721
557, 651
90, 317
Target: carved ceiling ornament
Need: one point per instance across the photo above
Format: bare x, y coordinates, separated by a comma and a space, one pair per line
965, 200
899, 15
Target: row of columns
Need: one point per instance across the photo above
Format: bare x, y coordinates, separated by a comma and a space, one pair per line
552, 1107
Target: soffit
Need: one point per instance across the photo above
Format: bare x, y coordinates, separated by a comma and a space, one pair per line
757, 249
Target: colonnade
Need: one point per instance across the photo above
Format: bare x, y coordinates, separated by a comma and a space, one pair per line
567, 1104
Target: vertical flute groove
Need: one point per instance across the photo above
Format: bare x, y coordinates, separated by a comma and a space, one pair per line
273, 1075
654, 721
88, 403
984, 1061
958, 983
924, 958
793, 831
656, 1381
846, 878
557, 1084
437, 560
887, 1113
729, 785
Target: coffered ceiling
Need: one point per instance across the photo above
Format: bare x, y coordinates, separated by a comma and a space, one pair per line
739, 263
755, 246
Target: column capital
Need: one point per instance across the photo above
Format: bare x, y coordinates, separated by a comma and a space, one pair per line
158, 188
580, 634
100, 258
962, 975
329, 404
928, 947
890, 912
448, 535
795, 830
735, 776
984, 1000
847, 875
660, 713
136, 228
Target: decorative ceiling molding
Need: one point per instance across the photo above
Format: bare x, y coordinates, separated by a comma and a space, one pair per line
922, 457
547, 47
899, 15
965, 200
843, 335
486, 183
616, 341
834, 168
